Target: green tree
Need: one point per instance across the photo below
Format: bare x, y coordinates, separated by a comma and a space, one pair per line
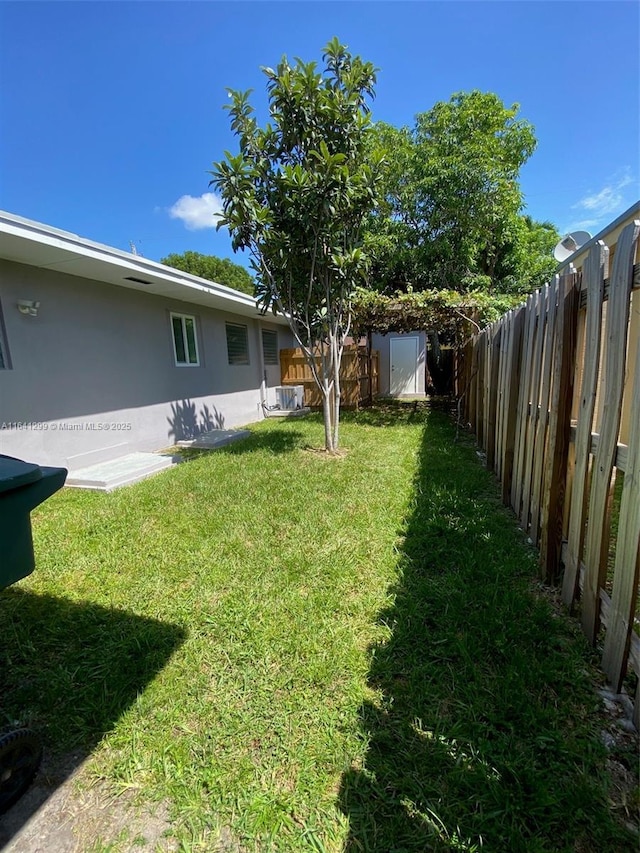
220, 270
527, 262
296, 197
452, 213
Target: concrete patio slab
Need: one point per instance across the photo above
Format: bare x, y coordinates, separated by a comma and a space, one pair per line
214, 438
286, 413
123, 471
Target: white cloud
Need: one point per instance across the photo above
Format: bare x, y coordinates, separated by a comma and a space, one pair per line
596, 209
582, 225
608, 201
197, 213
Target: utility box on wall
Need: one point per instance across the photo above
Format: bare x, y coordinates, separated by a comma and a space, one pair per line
290, 397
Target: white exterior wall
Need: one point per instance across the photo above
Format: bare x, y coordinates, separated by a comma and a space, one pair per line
93, 375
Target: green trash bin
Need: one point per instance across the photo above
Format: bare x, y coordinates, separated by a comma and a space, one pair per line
23, 486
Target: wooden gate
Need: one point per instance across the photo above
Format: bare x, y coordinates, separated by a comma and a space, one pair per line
354, 375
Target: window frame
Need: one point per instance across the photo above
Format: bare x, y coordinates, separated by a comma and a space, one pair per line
235, 362
5, 355
266, 361
174, 315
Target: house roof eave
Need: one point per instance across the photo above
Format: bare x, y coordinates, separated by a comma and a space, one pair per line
34, 244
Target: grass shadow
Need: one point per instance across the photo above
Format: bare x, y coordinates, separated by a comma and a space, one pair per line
391, 412
68, 671
484, 732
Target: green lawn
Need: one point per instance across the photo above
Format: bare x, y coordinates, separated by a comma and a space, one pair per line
301, 653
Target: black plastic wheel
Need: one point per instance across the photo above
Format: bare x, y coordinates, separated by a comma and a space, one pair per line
20, 757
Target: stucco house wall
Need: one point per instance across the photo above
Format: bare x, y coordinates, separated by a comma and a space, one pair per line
93, 376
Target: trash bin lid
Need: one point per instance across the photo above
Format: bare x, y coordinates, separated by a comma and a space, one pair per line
15, 473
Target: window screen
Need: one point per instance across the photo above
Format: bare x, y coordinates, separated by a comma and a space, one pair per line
4, 349
270, 347
237, 344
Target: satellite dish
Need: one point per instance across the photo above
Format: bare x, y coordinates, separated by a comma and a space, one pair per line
570, 244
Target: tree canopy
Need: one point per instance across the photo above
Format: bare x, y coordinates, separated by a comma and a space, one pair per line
384, 228
220, 270
296, 197
451, 218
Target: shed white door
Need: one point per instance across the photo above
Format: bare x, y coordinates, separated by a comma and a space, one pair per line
404, 366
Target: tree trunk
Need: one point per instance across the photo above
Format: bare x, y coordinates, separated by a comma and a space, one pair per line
370, 367
335, 363
327, 377
327, 400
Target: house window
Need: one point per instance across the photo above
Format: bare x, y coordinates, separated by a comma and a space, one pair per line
237, 344
270, 347
5, 364
185, 345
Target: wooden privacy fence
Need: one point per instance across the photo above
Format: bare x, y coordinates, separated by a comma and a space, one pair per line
552, 391
354, 375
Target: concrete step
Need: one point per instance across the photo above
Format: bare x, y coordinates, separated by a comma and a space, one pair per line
286, 413
214, 438
123, 471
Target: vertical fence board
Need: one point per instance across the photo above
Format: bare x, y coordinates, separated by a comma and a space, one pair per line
534, 408
617, 329
593, 276
543, 416
463, 382
459, 378
486, 385
503, 349
473, 384
489, 416
577, 385
481, 344
627, 562
468, 370
511, 403
504, 379
634, 337
493, 395
523, 404
559, 428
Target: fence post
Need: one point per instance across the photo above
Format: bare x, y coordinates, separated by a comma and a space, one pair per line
559, 428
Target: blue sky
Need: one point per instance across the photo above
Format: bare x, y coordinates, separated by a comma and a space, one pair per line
111, 113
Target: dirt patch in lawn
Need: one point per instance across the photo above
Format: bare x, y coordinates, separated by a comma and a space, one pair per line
61, 813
